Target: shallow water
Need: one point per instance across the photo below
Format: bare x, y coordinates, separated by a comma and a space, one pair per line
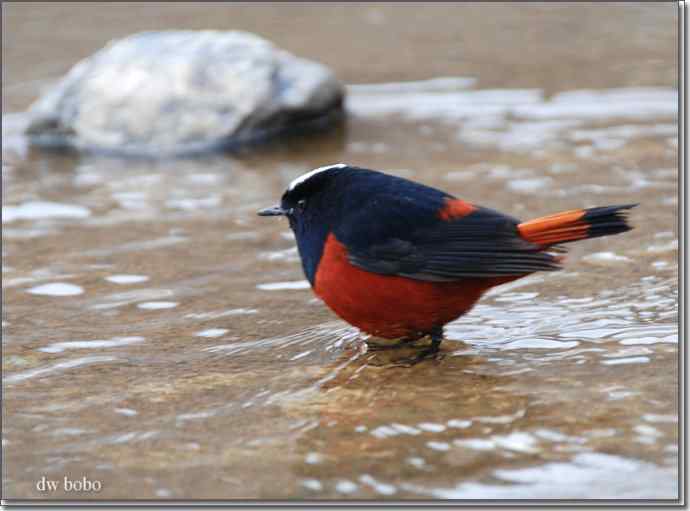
160, 338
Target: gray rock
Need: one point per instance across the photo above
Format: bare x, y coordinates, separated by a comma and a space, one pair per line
176, 92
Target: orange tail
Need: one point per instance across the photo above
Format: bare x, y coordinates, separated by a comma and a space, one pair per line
576, 224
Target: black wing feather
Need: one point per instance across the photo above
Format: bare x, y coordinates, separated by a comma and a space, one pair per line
484, 243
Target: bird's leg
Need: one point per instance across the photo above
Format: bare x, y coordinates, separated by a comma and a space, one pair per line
405, 341
430, 352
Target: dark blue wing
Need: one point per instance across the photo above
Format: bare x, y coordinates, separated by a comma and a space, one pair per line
403, 234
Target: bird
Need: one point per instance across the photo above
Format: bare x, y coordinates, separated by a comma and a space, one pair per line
399, 259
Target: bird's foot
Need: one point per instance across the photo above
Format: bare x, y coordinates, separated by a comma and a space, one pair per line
423, 355
402, 343
430, 353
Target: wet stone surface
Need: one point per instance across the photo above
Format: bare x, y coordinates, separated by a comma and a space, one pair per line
159, 337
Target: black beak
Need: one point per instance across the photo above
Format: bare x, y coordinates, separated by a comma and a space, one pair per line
274, 211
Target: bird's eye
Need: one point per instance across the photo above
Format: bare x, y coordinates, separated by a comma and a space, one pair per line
301, 204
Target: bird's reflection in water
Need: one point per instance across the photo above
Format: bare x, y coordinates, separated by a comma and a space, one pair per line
373, 416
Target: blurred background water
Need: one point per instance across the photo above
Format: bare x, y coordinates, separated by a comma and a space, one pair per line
160, 338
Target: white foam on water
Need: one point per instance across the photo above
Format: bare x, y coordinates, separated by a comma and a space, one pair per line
518, 136
665, 247
529, 185
56, 289
431, 427
128, 412
312, 484
479, 444
115, 342
405, 429
126, 279
438, 446
443, 105
280, 286
384, 431
672, 339
132, 200
586, 476
287, 255
128, 297
190, 204
627, 360
59, 367
556, 436
629, 103
69, 432
625, 132
516, 441
502, 419
621, 394
220, 314
157, 305
36, 276
212, 332
313, 458
40, 210
301, 355
644, 429
521, 120
196, 415
379, 487
346, 487
651, 417
459, 423
420, 103
516, 297
606, 258
14, 139
416, 461
37, 232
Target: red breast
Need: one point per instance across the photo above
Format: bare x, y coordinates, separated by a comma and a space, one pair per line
391, 306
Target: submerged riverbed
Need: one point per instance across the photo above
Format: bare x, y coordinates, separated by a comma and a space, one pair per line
160, 338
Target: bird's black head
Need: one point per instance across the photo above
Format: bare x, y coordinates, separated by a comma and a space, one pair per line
312, 204
338, 198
